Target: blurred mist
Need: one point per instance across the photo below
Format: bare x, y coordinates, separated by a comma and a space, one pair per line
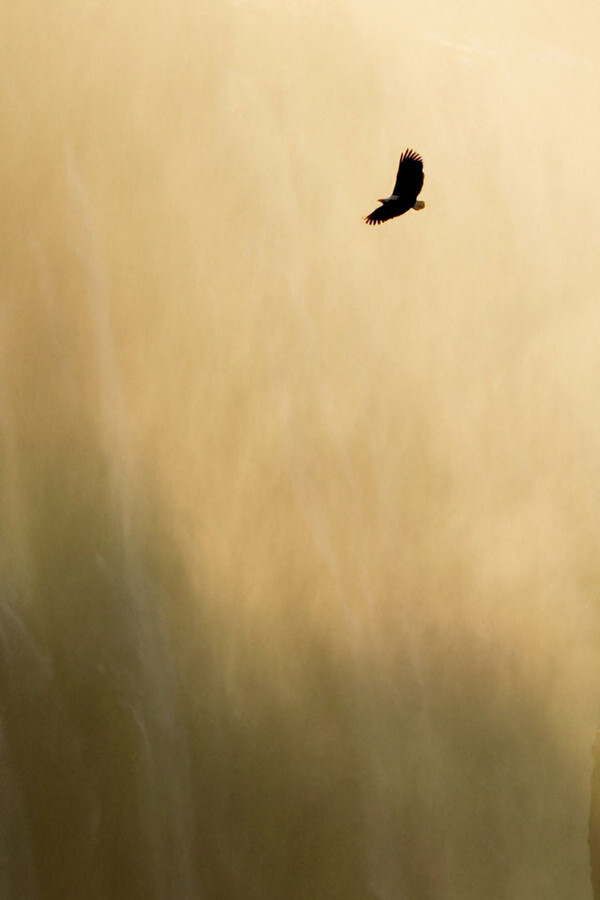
299, 569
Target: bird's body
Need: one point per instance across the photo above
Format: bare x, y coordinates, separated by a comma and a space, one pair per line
409, 182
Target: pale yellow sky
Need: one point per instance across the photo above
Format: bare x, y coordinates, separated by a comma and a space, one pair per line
384, 439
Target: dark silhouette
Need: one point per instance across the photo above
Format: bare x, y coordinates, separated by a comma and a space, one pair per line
409, 182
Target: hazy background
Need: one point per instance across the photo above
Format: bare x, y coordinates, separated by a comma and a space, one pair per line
299, 570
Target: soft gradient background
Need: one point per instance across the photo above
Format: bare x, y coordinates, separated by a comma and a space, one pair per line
300, 520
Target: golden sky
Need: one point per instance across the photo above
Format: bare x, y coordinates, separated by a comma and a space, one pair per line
386, 438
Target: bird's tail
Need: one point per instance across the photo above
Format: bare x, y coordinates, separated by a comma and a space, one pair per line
419, 205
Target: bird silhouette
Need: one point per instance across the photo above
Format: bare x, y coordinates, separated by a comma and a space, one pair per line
409, 182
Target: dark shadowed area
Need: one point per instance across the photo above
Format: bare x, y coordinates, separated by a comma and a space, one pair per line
299, 533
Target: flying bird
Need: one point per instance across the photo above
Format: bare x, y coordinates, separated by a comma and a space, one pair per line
409, 182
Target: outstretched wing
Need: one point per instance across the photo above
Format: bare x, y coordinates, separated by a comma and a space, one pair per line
388, 210
409, 179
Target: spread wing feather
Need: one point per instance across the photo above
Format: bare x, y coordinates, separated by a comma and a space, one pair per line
384, 212
409, 179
